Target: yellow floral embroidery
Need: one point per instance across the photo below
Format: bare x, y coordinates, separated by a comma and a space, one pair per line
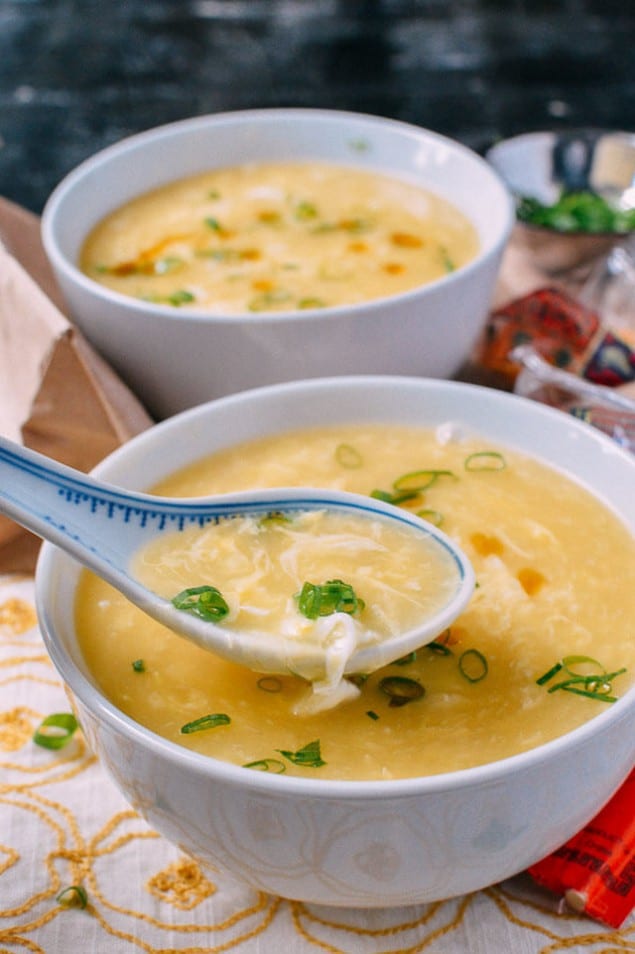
16, 728
181, 884
17, 616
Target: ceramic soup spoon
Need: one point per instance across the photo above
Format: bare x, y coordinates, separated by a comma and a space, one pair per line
103, 527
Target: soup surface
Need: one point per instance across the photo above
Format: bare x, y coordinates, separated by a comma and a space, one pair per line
313, 587
278, 237
555, 575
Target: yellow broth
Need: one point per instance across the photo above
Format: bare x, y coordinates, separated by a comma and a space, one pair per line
278, 237
555, 574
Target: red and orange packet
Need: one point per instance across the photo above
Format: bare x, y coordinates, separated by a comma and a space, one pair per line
594, 872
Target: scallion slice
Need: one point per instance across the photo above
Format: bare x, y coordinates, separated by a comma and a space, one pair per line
72, 897
309, 755
431, 515
211, 721
401, 690
485, 460
334, 596
56, 730
206, 602
275, 766
138, 665
473, 665
419, 480
348, 456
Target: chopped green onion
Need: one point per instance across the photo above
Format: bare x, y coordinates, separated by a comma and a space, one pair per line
580, 211
305, 210
180, 297
372, 715
418, 480
473, 665
485, 460
139, 665
406, 660
348, 456
600, 696
388, 497
56, 730
212, 223
311, 303
432, 516
273, 517
309, 755
334, 596
211, 721
546, 676
269, 684
439, 648
596, 685
72, 897
275, 766
358, 678
206, 602
400, 690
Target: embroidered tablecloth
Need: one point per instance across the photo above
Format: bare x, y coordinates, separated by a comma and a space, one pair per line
63, 823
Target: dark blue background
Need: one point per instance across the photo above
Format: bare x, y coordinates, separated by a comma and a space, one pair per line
76, 76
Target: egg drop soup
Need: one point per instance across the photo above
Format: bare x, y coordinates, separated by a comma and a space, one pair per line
545, 644
278, 237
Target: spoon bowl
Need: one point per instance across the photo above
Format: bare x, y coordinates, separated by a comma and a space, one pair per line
103, 527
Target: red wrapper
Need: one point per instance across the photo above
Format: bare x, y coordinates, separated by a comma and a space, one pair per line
594, 872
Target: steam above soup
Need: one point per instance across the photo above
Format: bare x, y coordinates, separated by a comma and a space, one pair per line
278, 237
544, 645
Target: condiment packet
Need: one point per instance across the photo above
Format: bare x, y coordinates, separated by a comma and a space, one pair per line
594, 872
57, 395
611, 410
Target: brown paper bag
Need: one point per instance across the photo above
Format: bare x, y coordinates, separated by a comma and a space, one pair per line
56, 394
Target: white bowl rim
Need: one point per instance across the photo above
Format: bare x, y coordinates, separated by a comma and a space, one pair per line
281, 785
145, 310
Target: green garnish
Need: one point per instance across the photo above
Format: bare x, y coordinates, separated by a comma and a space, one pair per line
211, 721
56, 730
309, 755
473, 665
388, 497
72, 897
180, 297
440, 649
596, 685
274, 517
334, 596
401, 690
406, 660
485, 460
576, 212
139, 665
206, 602
212, 223
448, 262
348, 456
372, 715
418, 480
305, 210
311, 303
267, 765
269, 684
432, 516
